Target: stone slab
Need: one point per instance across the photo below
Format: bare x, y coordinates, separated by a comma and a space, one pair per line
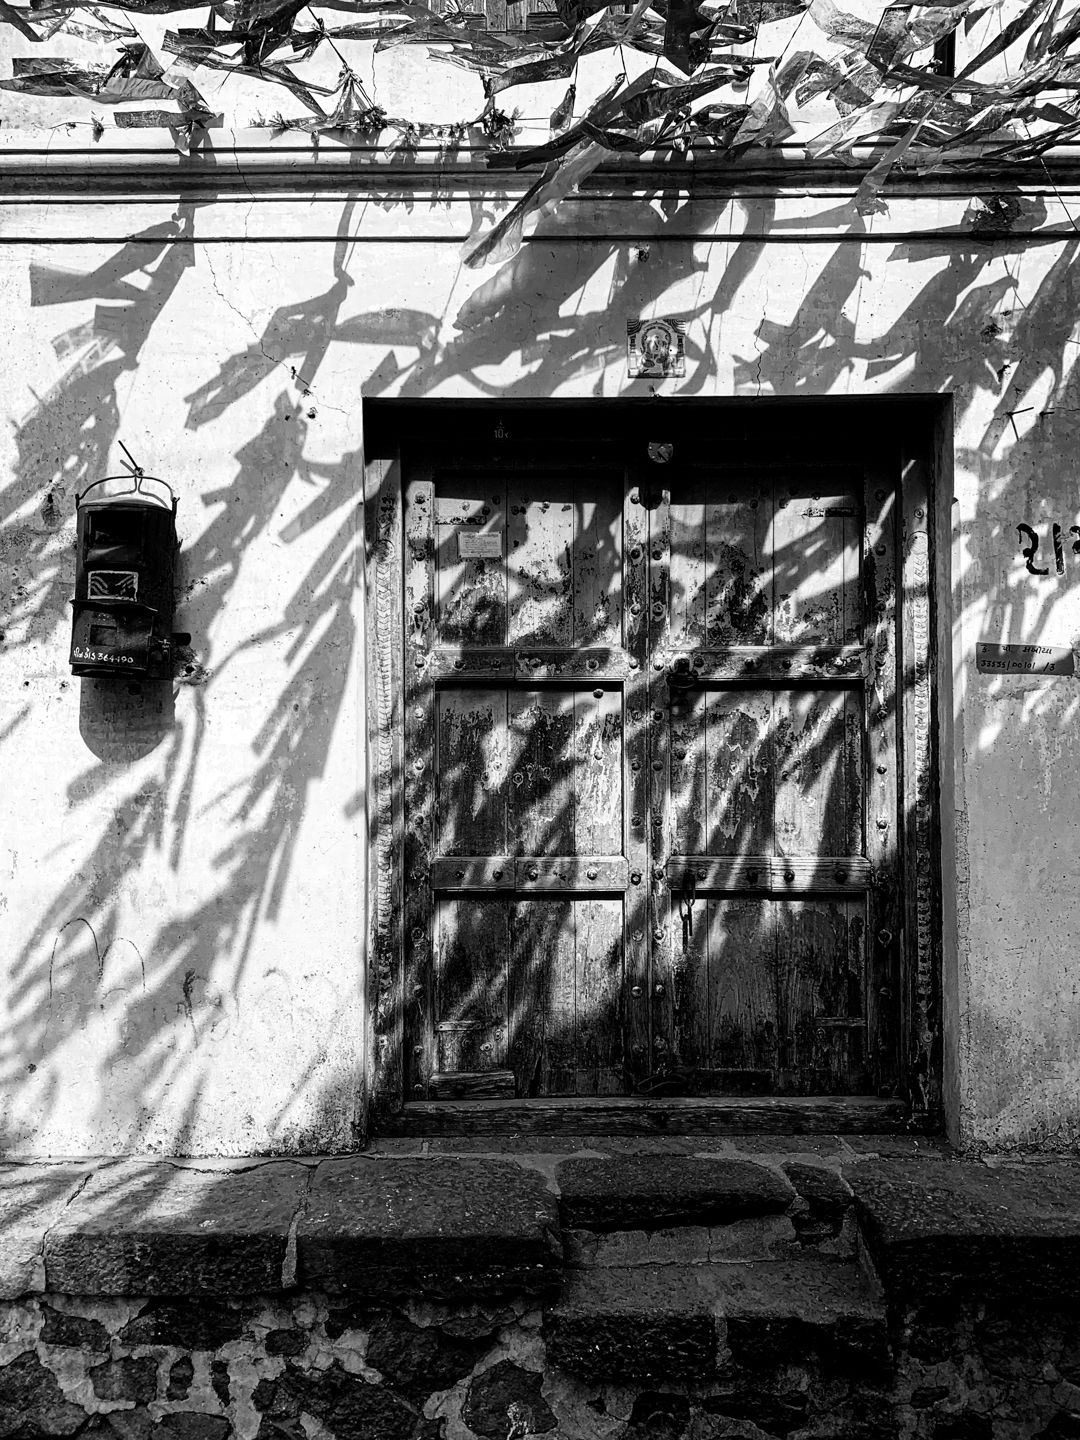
899, 1147
780, 1145
683, 1245
761, 1237
812, 1288
438, 1227
32, 1199
952, 1228
827, 1197
653, 1192
810, 1305
640, 1322
823, 1189
156, 1229
668, 1321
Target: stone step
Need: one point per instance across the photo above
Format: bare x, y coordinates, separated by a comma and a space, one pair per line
819, 1220
656, 1192
945, 1230
762, 1237
719, 1322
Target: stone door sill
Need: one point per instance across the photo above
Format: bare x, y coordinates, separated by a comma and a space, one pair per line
675, 1115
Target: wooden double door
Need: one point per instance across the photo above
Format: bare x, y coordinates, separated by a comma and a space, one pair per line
652, 823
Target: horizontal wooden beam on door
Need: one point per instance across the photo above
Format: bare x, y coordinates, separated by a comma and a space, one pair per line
600, 663
752, 663
530, 873
472, 1085
772, 874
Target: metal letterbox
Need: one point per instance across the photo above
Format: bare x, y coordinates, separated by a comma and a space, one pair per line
124, 576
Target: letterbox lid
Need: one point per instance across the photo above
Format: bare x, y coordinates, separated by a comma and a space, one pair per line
139, 490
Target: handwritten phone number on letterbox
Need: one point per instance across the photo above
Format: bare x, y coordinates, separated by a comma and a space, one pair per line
80, 653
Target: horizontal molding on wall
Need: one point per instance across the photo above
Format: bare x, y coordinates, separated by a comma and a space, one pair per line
248, 164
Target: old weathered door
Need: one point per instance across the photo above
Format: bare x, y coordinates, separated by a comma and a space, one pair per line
763, 885
649, 773
525, 756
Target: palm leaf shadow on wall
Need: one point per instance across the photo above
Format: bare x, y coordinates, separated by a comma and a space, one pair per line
57, 978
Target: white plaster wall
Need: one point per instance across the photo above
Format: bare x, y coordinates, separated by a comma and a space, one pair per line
181, 928
238, 852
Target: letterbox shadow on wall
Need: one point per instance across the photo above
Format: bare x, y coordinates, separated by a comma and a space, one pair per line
122, 613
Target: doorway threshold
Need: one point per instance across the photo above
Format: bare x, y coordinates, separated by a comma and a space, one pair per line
674, 1115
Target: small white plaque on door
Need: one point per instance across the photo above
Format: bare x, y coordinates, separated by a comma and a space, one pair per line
479, 547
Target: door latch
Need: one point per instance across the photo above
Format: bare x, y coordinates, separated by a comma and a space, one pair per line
680, 675
687, 899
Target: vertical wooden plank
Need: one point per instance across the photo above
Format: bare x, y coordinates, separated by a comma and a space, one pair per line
853, 769
598, 781
541, 984
543, 772
667, 963
636, 710
740, 770
688, 569
813, 784
882, 819
812, 538
742, 1013
691, 816
599, 954
837, 766
849, 1044
798, 964
559, 1021
540, 533
383, 527
697, 1038
529, 984
471, 588
853, 615
419, 778
472, 769
820, 958
739, 562
597, 560
471, 984
921, 900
